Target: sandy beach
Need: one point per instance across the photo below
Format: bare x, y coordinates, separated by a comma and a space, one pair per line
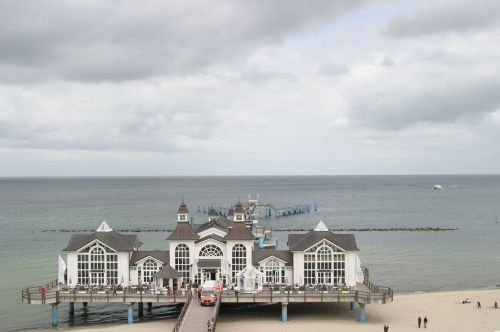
444, 310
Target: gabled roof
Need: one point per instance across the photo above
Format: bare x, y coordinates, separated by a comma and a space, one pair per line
104, 227
167, 272
115, 240
161, 255
239, 231
220, 223
260, 255
211, 236
300, 242
183, 231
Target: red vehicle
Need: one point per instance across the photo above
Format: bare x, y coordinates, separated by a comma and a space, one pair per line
208, 293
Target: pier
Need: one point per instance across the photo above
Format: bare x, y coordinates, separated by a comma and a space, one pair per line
193, 317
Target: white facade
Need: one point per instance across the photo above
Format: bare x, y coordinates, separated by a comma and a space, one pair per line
220, 251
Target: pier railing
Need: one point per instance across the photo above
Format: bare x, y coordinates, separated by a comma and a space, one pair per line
27, 292
216, 312
293, 296
34, 295
178, 324
374, 288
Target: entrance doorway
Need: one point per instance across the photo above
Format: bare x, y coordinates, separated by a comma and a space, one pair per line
209, 274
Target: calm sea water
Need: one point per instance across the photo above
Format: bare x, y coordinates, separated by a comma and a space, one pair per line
407, 261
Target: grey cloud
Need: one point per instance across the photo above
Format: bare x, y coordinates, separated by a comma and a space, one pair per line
444, 17
398, 105
260, 76
164, 126
119, 41
334, 69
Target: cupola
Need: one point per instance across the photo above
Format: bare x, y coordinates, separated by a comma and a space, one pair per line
239, 212
183, 213
212, 214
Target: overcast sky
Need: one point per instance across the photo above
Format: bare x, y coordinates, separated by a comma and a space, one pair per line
249, 87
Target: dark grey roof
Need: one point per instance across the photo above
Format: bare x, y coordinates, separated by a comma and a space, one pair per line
211, 224
259, 255
208, 263
115, 240
300, 242
161, 255
211, 236
239, 231
221, 223
167, 272
183, 231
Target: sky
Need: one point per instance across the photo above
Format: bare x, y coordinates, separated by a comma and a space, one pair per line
181, 88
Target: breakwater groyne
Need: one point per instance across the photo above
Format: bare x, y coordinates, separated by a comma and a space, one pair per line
349, 229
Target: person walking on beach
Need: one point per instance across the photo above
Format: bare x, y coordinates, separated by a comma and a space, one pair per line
496, 305
479, 304
419, 321
425, 322
386, 328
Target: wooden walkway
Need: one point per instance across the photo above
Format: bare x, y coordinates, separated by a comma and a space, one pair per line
196, 317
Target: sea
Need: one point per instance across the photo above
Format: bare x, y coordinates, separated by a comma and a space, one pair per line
407, 261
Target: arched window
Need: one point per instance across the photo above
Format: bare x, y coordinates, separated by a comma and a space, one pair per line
211, 250
324, 264
182, 260
238, 260
273, 271
97, 266
324, 258
149, 268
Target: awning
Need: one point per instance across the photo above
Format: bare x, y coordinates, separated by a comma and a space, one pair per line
167, 272
209, 263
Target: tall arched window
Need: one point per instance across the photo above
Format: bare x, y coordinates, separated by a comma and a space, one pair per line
149, 268
182, 260
210, 250
324, 264
97, 265
274, 272
238, 260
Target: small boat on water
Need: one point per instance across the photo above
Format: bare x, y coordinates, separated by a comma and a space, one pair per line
437, 186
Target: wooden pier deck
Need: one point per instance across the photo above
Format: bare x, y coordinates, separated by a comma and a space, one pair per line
52, 295
360, 294
193, 317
